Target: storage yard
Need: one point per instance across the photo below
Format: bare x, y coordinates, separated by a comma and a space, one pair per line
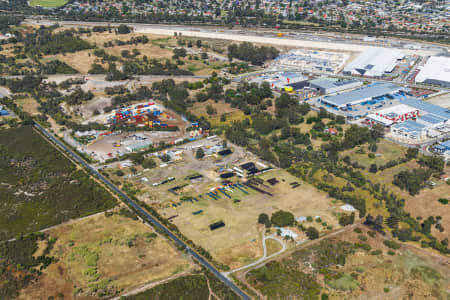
216, 200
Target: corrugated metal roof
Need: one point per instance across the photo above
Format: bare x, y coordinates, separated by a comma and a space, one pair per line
436, 68
361, 94
375, 61
432, 119
427, 107
409, 126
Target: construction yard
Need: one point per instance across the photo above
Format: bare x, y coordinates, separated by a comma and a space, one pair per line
213, 203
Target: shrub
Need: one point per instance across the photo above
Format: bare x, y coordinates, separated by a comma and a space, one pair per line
312, 233
363, 246
376, 252
362, 237
347, 219
443, 201
357, 230
391, 244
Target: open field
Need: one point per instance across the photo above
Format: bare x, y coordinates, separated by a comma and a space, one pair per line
40, 187
28, 105
48, 3
426, 204
80, 61
386, 151
341, 269
105, 255
239, 242
231, 114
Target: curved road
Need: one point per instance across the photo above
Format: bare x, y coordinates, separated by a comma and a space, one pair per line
147, 216
264, 257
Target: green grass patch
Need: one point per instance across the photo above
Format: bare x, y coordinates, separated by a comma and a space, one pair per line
344, 283
48, 3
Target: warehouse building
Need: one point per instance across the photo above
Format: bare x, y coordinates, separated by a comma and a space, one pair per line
282, 81
138, 146
326, 85
374, 62
371, 94
432, 121
436, 71
409, 130
391, 115
443, 148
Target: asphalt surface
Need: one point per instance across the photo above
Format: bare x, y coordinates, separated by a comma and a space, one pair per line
147, 216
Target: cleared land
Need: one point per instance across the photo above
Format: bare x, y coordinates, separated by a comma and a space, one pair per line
105, 255
40, 187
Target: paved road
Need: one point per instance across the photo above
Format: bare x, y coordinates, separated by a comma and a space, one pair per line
341, 76
147, 216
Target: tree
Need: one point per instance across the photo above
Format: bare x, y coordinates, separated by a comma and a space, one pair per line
200, 153
347, 219
123, 29
412, 153
312, 233
373, 168
149, 163
199, 43
137, 158
282, 218
96, 69
264, 219
210, 110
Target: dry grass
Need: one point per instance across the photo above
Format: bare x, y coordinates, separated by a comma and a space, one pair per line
81, 60
273, 246
388, 151
120, 265
28, 105
232, 114
426, 204
239, 241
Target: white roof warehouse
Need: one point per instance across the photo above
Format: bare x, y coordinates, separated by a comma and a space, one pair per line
435, 71
374, 62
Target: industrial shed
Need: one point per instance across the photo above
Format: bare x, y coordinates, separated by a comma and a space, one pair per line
374, 62
435, 71
361, 95
332, 85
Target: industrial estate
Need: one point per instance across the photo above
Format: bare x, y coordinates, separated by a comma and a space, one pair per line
143, 161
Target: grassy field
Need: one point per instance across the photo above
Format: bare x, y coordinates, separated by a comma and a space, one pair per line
386, 151
48, 3
231, 114
40, 187
105, 255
